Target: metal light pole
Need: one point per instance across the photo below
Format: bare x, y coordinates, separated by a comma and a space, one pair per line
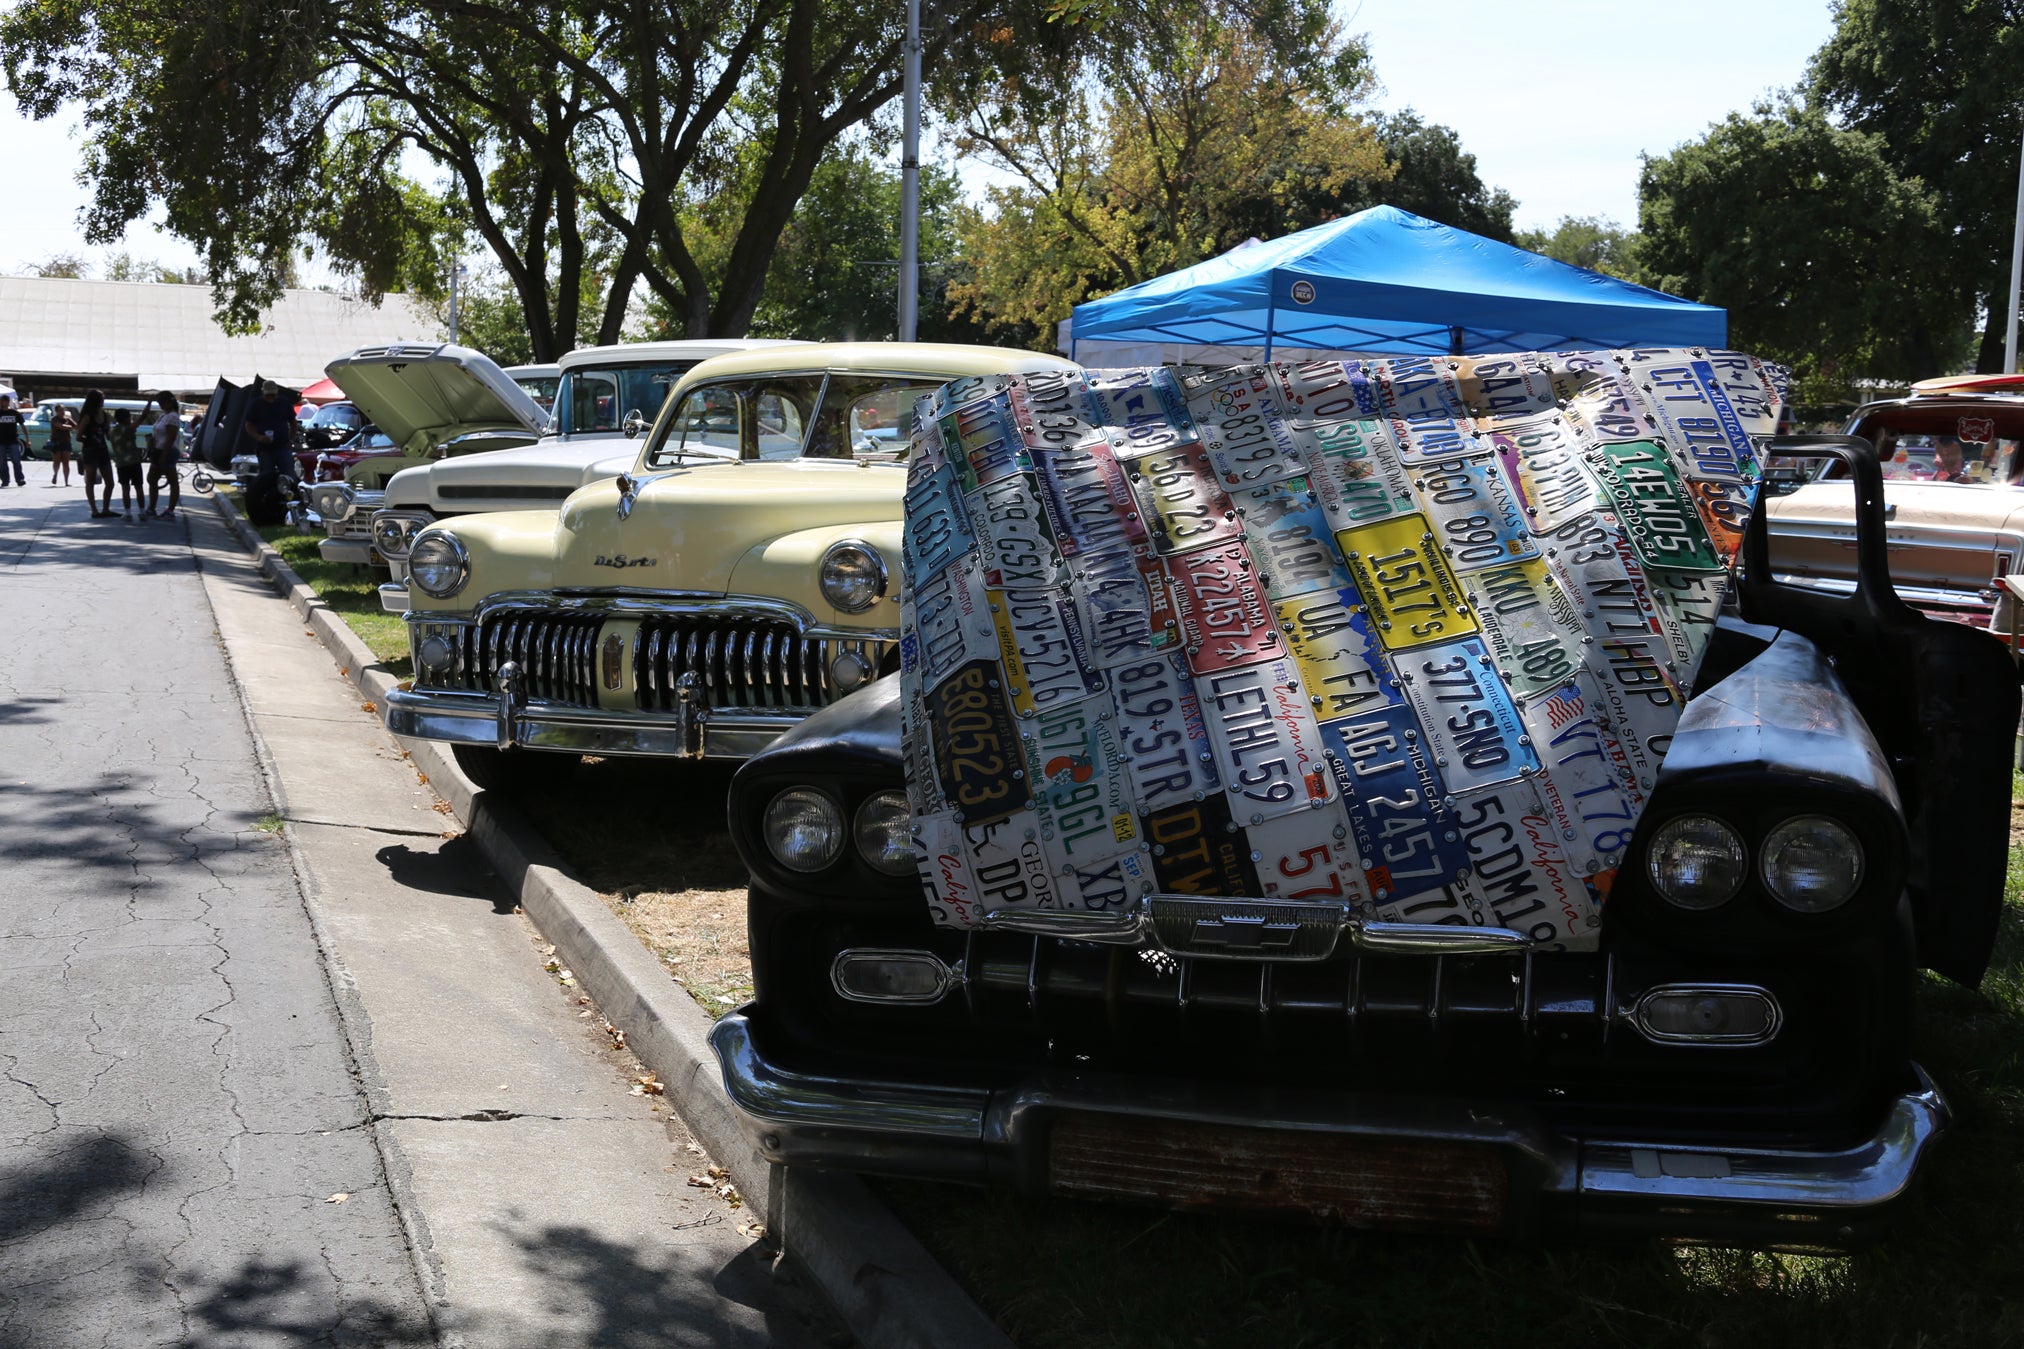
2016, 266
455, 269
910, 181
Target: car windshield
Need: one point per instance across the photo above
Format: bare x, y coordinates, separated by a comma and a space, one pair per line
1920, 440
784, 417
599, 398
541, 388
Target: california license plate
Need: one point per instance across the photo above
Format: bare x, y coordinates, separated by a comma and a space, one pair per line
1530, 625
947, 623
1266, 741
1403, 578
1085, 805
1541, 458
938, 529
1393, 794
1225, 619
976, 744
1161, 730
1290, 539
1324, 391
1657, 512
1518, 863
1019, 548
1469, 718
1199, 850
1476, 515
1355, 472
1144, 409
1180, 500
1297, 858
1342, 665
1091, 501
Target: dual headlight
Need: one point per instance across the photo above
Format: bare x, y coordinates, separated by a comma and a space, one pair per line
332, 500
1809, 863
805, 831
853, 576
439, 565
394, 533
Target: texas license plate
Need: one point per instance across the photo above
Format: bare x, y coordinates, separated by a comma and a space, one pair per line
1145, 411
1301, 857
1354, 470
1266, 741
1530, 625
1041, 642
1393, 794
1199, 850
1406, 583
1477, 519
1290, 539
1019, 548
1342, 665
1654, 506
1164, 738
938, 527
1518, 863
1225, 619
1541, 458
1469, 718
1092, 502
976, 744
1179, 498
1079, 789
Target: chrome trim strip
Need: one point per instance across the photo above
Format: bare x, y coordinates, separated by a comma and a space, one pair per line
1773, 1022
1130, 927
767, 1093
946, 977
394, 597
471, 718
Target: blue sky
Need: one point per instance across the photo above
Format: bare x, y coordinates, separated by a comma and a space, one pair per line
1557, 101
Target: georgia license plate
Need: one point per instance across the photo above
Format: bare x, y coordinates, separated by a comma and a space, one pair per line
1084, 805
1541, 459
976, 745
1164, 738
1469, 718
1112, 883
1323, 391
1695, 412
1403, 578
1290, 538
1589, 792
1019, 548
1225, 619
1040, 640
1266, 741
1145, 410
1198, 850
1476, 516
1519, 865
1092, 502
1179, 498
1355, 472
1654, 506
1503, 388
1295, 860
1342, 665
1530, 624
1393, 794
938, 527
950, 624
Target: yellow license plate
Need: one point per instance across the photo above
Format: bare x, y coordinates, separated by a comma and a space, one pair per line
1406, 583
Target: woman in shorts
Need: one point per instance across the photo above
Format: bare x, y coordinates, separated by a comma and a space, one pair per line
126, 459
61, 423
163, 453
96, 452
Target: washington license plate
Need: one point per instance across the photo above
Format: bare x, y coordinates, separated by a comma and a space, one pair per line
1164, 738
1468, 716
938, 529
1180, 499
1225, 619
1266, 741
1407, 584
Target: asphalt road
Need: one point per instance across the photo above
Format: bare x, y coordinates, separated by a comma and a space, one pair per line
278, 1064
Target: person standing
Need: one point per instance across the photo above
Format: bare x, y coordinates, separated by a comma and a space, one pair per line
126, 456
96, 453
163, 453
11, 439
270, 425
61, 424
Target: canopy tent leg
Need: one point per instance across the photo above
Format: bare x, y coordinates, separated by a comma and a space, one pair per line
1270, 322
1455, 341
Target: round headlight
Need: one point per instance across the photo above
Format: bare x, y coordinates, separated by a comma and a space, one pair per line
389, 535
804, 829
439, 565
884, 833
1812, 864
332, 501
1696, 862
853, 576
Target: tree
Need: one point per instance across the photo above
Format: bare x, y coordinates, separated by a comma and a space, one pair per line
256, 126
69, 266
1934, 81
1592, 241
1820, 251
1433, 177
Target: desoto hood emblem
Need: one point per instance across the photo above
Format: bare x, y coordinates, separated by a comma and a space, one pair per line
621, 560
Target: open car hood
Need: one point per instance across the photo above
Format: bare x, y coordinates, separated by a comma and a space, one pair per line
427, 397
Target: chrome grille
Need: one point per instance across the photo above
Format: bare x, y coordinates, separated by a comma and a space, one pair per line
556, 653
739, 662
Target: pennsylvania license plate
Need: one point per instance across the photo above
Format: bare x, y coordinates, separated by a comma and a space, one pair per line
1542, 460
1593, 559
1475, 511
1406, 582
1394, 796
976, 744
1263, 730
1530, 625
1290, 539
1648, 495
1342, 665
1470, 721
1145, 411
1019, 548
1090, 499
1180, 500
1199, 850
938, 529
1165, 740
1225, 619
1040, 639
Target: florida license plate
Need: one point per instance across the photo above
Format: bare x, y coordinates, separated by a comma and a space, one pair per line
1162, 733
1180, 500
1469, 717
1404, 579
1225, 619
1085, 806
1267, 740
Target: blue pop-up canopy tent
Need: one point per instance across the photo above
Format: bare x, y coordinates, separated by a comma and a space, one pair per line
1385, 280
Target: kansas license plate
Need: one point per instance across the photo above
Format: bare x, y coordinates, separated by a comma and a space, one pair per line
976, 744
1290, 539
1519, 867
1405, 581
1091, 501
1657, 512
1199, 850
1530, 624
1019, 548
1180, 500
947, 623
1266, 741
1301, 857
1164, 738
938, 529
1145, 410
1476, 516
1393, 794
1343, 668
1354, 470
1041, 641
1225, 619
1084, 802
1468, 715
1541, 459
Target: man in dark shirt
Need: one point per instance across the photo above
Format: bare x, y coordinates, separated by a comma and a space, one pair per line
11, 441
269, 424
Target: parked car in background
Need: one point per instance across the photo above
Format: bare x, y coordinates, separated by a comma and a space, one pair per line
332, 425
740, 575
604, 399
36, 429
540, 382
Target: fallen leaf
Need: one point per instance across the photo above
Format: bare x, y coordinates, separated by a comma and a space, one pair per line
337, 1198
368, 707
422, 778
584, 1012
701, 1182
441, 808
718, 1172
751, 1228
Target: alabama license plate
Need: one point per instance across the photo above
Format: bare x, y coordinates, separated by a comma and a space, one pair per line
1470, 720
1180, 500
1290, 539
1225, 619
1393, 794
1657, 512
976, 744
938, 529
1164, 738
1199, 850
1530, 625
1403, 578
1094, 510
1303, 857
1542, 459
1145, 411
1266, 740
1019, 549
1040, 639
1476, 516
1342, 665
1354, 471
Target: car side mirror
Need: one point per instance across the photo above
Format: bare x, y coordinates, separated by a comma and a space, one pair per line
634, 425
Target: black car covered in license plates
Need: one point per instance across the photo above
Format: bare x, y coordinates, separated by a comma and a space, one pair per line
1371, 806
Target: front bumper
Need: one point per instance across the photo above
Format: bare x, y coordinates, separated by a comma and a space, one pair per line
356, 551
394, 596
1541, 1177
489, 719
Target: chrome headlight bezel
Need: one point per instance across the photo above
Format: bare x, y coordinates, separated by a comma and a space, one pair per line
331, 500
393, 532
1830, 833
777, 823
881, 821
852, 576
1717, 832
420, 567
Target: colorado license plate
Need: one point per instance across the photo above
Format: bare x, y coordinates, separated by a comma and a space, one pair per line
1019, 548
1266, 741
1648, 495
938, 529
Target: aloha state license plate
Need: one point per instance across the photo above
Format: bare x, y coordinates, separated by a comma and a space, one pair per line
1649, 497
1225, 619
1199, 850
1323, 391
1475, 512
1180, 500
1295, 860
1355, 472
1085, 804
1128, 610
1699, 421
1543, 461
938, 529
1393, 794
1642, 698
1092, 503
1530, 625
1342, 665
1266, 738
1290, 539
946, 623
1518, 863
1505, 388
1406, 582
1051, 410
976, 744
980, 440
1162, 733
1144, 411
1041, 643
1588, 790
1470, 720
1019, 551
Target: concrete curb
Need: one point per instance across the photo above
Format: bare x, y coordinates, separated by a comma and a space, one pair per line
888, 1289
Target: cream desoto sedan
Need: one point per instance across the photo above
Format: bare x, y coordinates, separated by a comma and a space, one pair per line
743, 575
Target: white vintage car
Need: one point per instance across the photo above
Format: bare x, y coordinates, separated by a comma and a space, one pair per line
606, 397
741, 574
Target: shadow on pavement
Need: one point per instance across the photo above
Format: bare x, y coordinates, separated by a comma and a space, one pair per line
457, 869
114, 824
34, 1200
266, 1304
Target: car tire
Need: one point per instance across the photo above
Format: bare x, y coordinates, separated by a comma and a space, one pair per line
513, 772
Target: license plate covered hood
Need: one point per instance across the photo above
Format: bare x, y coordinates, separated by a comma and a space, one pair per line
1397, 641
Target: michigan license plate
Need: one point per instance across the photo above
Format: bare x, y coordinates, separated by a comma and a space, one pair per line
1267, 741
1477, 519
1696, 413
1468, 716
1225, 619
1394, 796
1165, 740
1403, 578
1179, 498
